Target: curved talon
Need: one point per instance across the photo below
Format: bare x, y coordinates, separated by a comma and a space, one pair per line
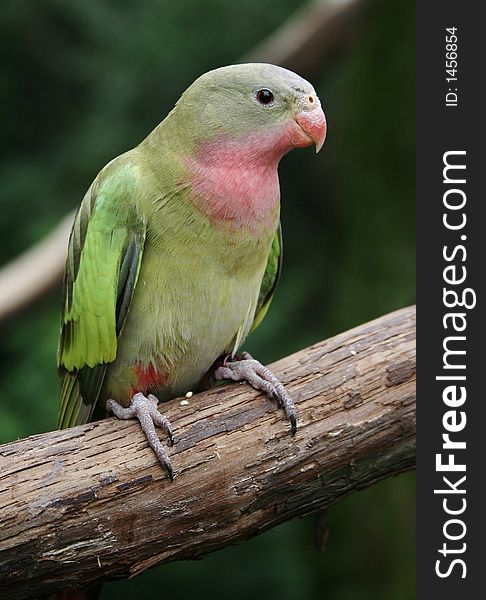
250, 370
170, 433
293, 424
168, 466
161, 420
144, 408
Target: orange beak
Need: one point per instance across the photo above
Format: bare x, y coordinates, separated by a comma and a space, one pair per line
313, 124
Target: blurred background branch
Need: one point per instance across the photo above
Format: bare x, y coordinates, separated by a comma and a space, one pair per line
36, 271
92, 502
319, 32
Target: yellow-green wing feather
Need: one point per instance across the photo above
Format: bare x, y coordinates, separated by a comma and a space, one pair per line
105, 251
270, 279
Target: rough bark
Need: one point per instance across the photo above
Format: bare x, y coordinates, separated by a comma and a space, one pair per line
92, 502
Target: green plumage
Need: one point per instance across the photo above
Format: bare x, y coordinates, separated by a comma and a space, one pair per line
165, 272
105, 254
270, 279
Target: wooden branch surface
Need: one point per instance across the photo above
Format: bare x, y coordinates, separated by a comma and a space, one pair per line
91, 502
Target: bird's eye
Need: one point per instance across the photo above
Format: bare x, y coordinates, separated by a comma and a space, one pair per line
264, 96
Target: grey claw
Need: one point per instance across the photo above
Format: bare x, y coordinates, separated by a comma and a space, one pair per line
145, 410
293, 425
250, 370
171, 435
168, 466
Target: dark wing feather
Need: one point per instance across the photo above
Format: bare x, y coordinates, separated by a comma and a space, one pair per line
270, 279
104, 257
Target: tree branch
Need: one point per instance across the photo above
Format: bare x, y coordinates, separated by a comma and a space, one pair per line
34, 272
320, 31
92, 502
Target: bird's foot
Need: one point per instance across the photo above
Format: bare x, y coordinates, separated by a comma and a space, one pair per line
144, 408
250, 370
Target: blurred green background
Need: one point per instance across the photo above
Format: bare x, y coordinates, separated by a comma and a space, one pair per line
82, 81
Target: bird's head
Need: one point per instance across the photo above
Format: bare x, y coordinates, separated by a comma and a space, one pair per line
264, 108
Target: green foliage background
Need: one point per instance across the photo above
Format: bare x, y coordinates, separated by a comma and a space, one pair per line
82, 81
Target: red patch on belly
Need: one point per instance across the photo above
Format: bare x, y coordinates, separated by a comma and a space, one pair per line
149, 378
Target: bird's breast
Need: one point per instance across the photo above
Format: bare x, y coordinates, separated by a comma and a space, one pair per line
235, 190
194, 298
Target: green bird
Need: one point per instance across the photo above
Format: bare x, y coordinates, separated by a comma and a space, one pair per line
176, 250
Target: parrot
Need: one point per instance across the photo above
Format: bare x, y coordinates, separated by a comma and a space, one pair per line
176, 251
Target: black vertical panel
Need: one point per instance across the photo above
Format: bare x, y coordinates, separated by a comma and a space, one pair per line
440, 129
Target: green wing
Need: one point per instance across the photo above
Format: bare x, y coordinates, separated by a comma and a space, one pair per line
104, 256
270, 278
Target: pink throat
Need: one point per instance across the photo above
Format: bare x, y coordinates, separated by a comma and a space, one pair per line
236, 181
